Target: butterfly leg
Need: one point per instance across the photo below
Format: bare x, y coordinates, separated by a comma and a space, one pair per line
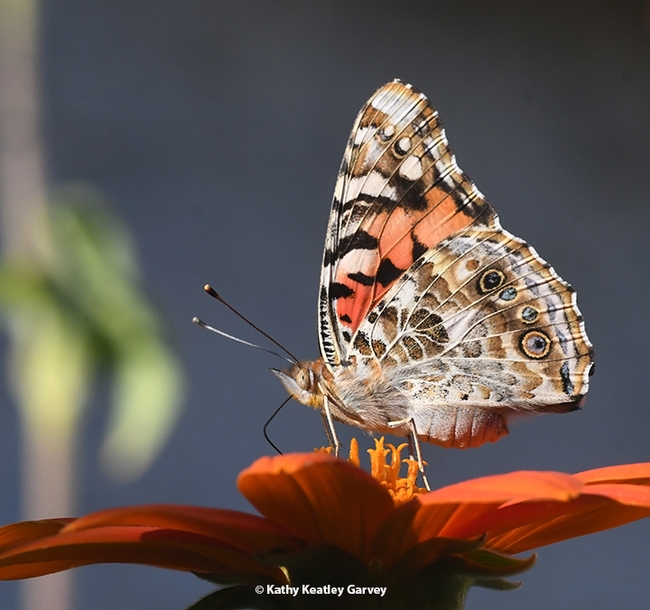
418, 454
329, 426
413, 442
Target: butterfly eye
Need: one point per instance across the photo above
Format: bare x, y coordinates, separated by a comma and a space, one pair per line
535, 344
304, 379
491, 280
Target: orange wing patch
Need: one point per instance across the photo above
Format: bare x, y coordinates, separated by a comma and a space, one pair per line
402, 237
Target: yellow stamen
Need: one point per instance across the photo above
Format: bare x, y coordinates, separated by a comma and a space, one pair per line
402, 489
325, 450
386, 471
354, 453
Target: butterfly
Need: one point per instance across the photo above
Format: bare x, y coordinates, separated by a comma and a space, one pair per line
433, 321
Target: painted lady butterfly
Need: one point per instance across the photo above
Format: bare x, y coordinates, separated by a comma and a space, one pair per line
434, 322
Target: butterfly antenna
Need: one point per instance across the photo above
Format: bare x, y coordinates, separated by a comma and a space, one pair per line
266, 425
215, 295
202, 324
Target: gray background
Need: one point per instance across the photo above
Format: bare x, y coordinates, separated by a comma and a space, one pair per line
216, 129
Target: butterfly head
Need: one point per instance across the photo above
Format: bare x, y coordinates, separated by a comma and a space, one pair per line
303, 382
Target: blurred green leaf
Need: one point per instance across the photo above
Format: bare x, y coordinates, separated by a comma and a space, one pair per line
81, 310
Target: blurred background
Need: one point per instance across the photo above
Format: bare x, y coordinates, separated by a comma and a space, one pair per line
214, 131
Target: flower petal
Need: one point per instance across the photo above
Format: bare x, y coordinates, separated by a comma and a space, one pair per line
26, 531
318, 498
242, 531
600, 507
129, 544
637, 474
623, 493
513, 486
464, 510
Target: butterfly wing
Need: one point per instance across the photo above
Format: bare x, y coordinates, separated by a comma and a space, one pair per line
477, 329
464, 322
398, 194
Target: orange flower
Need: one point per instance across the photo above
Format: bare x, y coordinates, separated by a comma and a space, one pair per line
327, 522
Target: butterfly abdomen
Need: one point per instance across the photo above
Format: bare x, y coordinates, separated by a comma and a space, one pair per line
460, 427
374, 399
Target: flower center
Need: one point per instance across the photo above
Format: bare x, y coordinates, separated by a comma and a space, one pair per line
385, 465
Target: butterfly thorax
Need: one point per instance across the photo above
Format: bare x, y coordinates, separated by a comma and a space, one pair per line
364, 398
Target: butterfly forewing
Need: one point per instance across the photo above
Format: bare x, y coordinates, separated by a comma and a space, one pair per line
399, 193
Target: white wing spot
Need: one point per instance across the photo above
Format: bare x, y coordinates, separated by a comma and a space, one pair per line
411, 168
364, 261
360, 135
387, 132
372, 184
404, 145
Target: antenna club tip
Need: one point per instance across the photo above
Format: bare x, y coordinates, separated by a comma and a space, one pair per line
196, 321
211, 291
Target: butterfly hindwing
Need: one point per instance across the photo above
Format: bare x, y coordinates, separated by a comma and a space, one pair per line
484, 296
